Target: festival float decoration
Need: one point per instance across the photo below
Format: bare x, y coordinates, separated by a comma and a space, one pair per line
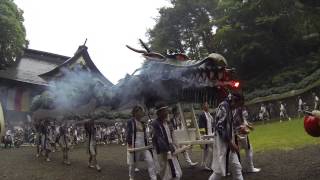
175, 79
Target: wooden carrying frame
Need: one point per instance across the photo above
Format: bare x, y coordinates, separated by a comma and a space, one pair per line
186, 135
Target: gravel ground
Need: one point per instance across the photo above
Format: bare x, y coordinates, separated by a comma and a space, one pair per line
21, 163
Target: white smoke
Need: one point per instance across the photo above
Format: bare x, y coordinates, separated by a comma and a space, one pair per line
76, 87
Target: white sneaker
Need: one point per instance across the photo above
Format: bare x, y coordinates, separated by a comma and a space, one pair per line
254, 170
98, 168
136, 170
192, 164
66, 162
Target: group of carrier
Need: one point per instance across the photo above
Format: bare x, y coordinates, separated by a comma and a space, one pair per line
227, 126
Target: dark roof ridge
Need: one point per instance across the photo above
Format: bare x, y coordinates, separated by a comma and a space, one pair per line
45, 55
82, 50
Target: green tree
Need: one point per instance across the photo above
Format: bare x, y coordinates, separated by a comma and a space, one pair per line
12, 33
185, 27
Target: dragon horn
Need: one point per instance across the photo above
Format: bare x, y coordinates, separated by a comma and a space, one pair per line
136, 50
144, 46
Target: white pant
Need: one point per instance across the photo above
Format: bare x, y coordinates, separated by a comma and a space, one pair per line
222, 159
248, 160
235, 168
150, 164
207, 156
187, 157
165, 167
141, 156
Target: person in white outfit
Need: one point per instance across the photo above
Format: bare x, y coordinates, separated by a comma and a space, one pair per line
283, 112
242, 129
316, 101
300, 106
137, 138
226, 153
170, 168
206, 122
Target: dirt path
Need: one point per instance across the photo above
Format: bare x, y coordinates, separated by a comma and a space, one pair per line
17, 164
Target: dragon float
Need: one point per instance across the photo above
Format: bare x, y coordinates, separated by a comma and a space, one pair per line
174, 78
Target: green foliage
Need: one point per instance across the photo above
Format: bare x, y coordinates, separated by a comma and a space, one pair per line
12, 33
297, 77
186, 27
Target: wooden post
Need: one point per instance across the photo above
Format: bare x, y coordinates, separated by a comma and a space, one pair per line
195, 122
183, 121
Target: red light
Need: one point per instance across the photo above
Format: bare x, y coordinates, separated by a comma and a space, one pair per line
236, 84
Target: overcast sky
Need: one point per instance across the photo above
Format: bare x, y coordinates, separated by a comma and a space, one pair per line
60, 26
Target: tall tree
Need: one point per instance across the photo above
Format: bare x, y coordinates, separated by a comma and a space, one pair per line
12, 33
186, 27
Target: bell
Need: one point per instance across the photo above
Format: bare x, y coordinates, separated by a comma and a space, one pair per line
311, 125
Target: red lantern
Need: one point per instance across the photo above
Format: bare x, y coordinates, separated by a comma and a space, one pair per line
311, 126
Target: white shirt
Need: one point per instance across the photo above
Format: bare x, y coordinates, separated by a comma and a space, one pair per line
8, 133
245, 116
209, 122
166, 128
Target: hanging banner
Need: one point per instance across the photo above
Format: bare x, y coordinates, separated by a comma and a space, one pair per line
18, 99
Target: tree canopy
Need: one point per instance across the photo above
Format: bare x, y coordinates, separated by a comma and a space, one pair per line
270, 42
12, 33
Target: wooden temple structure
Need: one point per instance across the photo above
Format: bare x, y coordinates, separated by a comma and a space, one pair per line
33, 74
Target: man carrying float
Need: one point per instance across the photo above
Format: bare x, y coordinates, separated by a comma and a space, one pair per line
137, 138
206, 122
242, 128
226, 153
162, 141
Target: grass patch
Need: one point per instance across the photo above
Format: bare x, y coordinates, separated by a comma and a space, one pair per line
287, 135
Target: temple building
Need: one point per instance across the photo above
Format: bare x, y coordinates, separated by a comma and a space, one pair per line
33, 73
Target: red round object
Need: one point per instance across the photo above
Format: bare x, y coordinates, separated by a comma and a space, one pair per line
311, 126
